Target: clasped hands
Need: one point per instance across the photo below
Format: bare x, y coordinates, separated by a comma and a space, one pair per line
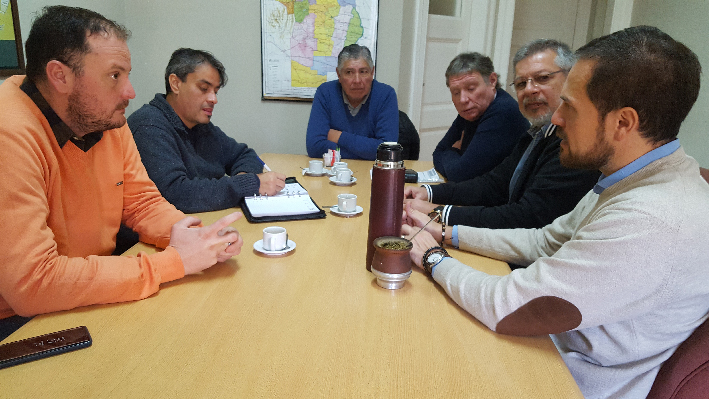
415, 216
202, 247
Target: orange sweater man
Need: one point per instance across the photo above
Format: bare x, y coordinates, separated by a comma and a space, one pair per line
61, 210
71, 174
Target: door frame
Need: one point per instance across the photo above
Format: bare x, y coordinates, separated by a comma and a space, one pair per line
490, 34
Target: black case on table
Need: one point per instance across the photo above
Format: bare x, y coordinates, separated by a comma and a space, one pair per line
253, 219
35, 348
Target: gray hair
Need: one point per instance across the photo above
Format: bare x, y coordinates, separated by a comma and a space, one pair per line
466, 63
184, 61
354, 52
565, 58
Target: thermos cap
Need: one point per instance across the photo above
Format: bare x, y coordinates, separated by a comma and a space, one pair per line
389, 152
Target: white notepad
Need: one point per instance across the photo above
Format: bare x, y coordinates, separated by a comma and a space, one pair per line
429, 176
292, 200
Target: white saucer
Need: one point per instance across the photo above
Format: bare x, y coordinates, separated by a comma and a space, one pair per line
337, 211
258, 245
307, 171
342, 183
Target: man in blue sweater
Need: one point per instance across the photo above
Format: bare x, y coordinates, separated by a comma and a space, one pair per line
354, 113
195, 165
488, 124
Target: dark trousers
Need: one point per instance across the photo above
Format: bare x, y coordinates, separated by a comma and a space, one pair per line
11, 324
125, 239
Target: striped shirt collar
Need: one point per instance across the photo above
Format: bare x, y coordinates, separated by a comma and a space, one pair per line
548, 130
61, 131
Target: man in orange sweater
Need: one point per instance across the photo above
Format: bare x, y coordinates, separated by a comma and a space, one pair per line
71, 174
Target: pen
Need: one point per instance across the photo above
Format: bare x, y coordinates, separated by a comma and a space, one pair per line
264, 165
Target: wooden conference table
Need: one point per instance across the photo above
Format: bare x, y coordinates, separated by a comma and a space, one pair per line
310, 324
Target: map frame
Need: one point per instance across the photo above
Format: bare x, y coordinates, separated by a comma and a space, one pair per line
270, 59
8, 50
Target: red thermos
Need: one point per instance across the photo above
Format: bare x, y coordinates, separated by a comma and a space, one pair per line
387, 201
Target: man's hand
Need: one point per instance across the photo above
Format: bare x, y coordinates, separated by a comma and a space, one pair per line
202, 247
416, 193
232, 248
458, 144
422, 242
334, 135
271, 183
421, 206
417, 219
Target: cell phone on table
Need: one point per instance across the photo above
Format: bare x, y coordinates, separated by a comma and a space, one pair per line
39, 347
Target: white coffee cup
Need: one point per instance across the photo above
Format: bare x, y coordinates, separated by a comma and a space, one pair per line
347, 202
344, 175
275, 238
339, 165
315, 167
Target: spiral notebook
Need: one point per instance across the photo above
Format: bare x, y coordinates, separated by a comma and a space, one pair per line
291, 203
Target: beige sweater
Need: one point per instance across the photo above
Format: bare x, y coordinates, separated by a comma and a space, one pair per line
620, 281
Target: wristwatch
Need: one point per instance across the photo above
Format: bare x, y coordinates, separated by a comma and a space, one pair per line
436, 212
432, 256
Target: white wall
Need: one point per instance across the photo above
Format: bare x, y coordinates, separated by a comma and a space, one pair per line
685, 21
231, 29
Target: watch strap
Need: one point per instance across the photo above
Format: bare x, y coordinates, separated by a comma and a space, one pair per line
437, 211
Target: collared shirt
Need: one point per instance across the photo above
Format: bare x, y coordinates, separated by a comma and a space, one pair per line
62, 132
660, 152
353, 110
537, 136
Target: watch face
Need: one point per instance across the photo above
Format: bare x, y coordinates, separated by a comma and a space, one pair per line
434, 258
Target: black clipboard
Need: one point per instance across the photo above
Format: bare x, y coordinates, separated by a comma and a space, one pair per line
254, 219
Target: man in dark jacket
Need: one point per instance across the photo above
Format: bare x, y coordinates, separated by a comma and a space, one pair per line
196, 166
529, 188
488, 124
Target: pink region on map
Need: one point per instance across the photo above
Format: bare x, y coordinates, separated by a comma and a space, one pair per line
342, 23
303, 42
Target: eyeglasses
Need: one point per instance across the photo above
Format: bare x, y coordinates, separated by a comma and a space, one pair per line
539, 80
